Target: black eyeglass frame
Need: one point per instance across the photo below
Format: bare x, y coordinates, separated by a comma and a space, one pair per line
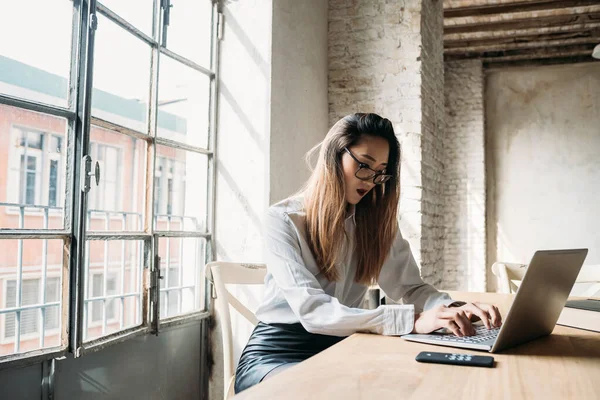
376, 174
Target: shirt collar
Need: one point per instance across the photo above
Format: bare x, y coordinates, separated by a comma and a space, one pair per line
350, 213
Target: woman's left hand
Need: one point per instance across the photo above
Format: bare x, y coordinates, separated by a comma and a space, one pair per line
487, 313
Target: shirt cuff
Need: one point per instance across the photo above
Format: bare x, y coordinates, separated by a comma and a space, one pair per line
398, 319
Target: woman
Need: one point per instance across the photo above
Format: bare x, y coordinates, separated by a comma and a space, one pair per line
326, 245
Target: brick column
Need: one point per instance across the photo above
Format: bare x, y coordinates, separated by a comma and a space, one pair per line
386, 57
464, 175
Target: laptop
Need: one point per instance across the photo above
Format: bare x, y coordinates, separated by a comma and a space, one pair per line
537, 305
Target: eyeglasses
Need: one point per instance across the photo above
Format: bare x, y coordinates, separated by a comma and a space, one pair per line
366, 173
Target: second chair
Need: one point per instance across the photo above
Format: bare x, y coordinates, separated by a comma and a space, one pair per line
220, 273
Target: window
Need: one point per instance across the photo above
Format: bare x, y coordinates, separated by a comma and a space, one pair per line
36, 165
53, 184
148, 128
107, 197
29, 170
98, 291
120, 306
177, 205
182, 279
31, 294
169, 179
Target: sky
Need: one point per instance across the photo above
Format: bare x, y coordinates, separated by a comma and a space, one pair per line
122, 62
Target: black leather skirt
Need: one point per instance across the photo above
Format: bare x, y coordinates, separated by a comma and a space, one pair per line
272, 345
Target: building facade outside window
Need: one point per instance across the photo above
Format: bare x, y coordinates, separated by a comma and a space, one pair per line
31, 294
35, 168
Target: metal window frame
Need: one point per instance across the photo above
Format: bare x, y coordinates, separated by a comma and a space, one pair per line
83, 107
191, 315
138, 268
74, 235
66, 234
217, 35
151, 320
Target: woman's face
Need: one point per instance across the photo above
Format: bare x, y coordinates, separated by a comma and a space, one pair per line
370, 150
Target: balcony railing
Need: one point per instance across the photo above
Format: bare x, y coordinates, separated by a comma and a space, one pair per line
118, 215
22, 208
128, 221
172, 220
19, 308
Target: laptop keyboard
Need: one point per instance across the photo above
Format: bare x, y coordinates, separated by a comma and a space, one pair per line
482, 335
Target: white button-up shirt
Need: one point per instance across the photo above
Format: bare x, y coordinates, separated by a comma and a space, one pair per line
297, 291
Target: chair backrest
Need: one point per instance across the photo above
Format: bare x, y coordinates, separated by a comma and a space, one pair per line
221, 273
510, 275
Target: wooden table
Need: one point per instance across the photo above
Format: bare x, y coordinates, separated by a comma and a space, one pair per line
564, 365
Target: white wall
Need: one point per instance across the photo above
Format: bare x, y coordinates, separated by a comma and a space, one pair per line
243, 129
543, 137
299, 110
272, 109
242, 152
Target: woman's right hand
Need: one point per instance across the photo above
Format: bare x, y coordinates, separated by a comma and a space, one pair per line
451, 318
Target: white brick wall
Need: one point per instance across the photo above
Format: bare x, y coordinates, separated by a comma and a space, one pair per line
433, 133
385, 58
464, 177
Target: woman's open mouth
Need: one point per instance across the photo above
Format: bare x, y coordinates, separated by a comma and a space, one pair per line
361, 192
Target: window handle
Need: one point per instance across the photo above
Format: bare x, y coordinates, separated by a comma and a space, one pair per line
167, 11
86, 176
166, 6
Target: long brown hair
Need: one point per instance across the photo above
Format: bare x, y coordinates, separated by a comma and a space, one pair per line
375, 214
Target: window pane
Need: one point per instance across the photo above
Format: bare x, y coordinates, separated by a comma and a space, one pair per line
55, 144
182, 288
53, 182
182, 103
29, 253
97, 291
189, 31
137, 12
180, 206
33, 140
52, 295
121, 77
32, 169
117, 203
30, 295
35, 51
114, 265
10, 301
111, 289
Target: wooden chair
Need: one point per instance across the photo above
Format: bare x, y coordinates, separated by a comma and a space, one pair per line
220, 273
510, 275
